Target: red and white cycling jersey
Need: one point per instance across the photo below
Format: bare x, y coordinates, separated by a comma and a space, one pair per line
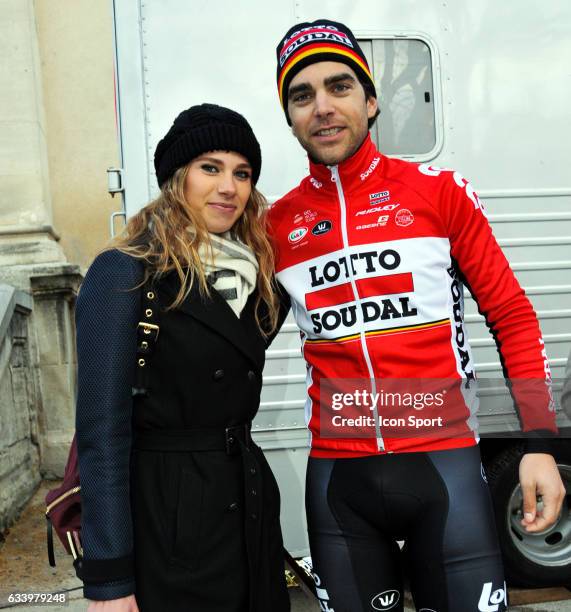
369, 252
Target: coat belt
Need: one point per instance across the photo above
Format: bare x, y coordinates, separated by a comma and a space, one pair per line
228, 439
233, 440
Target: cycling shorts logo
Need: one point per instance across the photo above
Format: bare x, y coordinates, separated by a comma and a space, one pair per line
321, 228
490, 600
385, 600
404, 217
297, 234
483, 473
322, 594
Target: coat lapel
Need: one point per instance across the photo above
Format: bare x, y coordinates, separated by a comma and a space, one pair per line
215, 313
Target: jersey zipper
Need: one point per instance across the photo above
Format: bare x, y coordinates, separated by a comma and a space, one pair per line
344, 233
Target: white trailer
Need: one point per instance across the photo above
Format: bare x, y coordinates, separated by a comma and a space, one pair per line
480, 86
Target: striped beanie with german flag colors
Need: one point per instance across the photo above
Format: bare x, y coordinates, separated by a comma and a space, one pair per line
321, 41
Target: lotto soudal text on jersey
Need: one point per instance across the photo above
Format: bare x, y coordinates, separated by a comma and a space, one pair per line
384, 298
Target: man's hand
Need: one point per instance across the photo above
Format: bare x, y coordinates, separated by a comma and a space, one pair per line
123, 604
538, 475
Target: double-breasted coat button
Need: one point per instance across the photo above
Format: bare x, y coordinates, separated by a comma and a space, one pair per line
252, 471
254, 492
254, 516
233, 506
218, 375
251, 376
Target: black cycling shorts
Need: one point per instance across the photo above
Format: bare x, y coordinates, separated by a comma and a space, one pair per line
437, 502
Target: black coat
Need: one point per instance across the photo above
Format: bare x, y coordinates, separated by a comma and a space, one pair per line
182, 530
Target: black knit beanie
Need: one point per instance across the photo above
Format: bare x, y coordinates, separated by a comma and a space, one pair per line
203, 128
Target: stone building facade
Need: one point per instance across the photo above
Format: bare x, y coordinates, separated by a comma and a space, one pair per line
58, 137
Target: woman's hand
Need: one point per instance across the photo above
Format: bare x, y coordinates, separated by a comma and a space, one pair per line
124, 604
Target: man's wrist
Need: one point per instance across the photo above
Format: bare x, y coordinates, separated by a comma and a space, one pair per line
539, 441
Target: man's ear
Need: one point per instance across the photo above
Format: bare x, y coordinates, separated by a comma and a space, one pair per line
372, 107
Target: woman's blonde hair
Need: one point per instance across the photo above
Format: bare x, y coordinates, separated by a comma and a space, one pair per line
167, 234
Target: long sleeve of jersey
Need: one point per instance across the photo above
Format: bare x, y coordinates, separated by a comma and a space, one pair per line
501, 300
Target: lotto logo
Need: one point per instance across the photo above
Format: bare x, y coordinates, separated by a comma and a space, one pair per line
379, 194
490, 601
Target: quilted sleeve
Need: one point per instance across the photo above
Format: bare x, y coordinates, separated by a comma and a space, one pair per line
107, 314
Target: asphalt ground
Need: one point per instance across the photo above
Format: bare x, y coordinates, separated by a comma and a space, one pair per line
24, 568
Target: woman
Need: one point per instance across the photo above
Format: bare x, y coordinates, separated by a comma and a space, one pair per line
180, 508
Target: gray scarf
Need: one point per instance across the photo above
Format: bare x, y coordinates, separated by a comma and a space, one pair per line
232, 270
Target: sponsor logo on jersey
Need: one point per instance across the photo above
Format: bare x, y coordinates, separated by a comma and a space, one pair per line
315, 183
297, 234
459, 333
381, 222
298, 219
344, 267
377, 209
390, 206
379, 194
346, 316
321, 228
370, 263
379, 201
404, 217
370, 169
429, 170
547, 371
385, 600
309, 215
490, 600
472, 195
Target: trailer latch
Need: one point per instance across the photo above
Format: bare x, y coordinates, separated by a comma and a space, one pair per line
114, 180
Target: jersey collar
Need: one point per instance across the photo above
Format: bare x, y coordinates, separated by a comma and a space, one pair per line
353, 171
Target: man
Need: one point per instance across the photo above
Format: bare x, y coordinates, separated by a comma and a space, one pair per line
377, 297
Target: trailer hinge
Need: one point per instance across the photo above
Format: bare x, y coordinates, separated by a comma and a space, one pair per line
114, 181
